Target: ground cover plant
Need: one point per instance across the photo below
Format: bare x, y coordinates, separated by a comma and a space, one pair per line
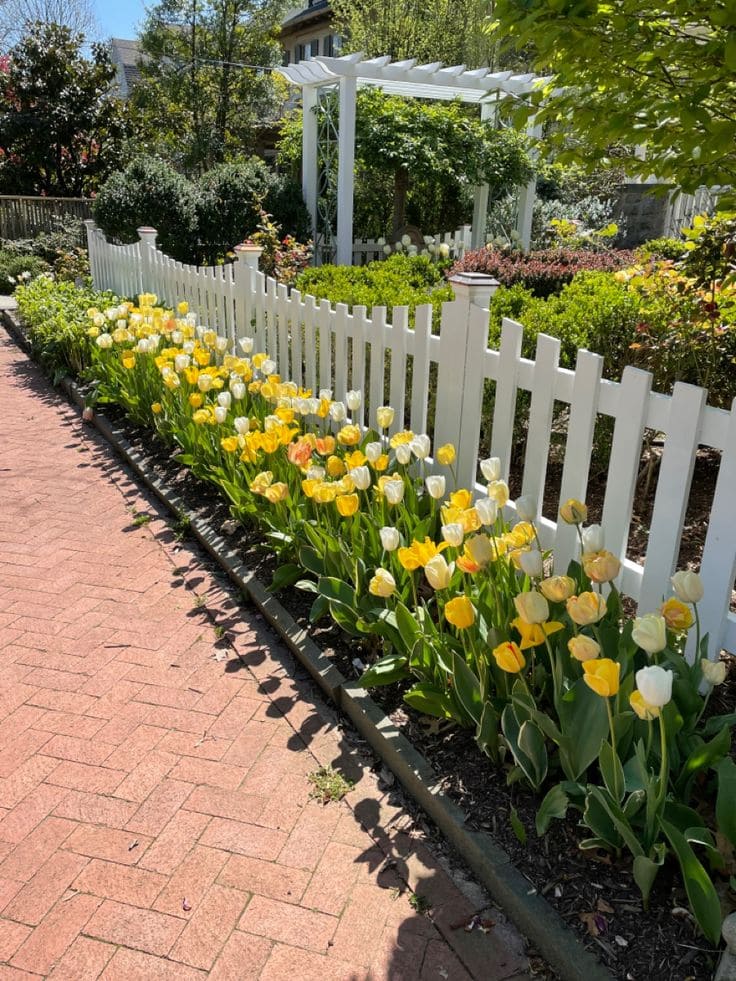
600, 714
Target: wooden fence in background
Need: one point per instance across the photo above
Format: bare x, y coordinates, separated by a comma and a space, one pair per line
26, 217
438, 377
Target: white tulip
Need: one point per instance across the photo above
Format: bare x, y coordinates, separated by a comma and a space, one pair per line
491, 468
177, 337
373, 451
420, 447
221, 344
361, 477
438, 572
316, 473
650, 633
242, 424
403, 453
526, 508
593, 539
238, 390
453, 534
188, 347
325, 394
394, 491
224, 398
246, 344
688, 586
487, 510
389, 538
531, 563
354, 400
104, 341
714, 672
435, 484
268, 367
182, 362
655, 685
204, 382
337, 412
220, 413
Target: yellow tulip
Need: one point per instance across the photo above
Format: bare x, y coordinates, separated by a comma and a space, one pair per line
678, 616
381, 463
446, 455
182, 308
335, 467
534, 634
382, 584
261, 481
586, 608
460, 612
276, 493
557, 589
384, 416
201, 417
601, 566
583, 648
128, 360
532, 607
574, 512
643, 709
229, 444
349, 436
498, 491
509, 657
602, 675
418, 554
347, 504
157, 408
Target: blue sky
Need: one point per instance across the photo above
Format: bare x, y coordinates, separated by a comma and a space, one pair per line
119, 18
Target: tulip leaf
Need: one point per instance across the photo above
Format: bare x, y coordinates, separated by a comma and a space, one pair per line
311, 561
717, 722
511, 731
611, 771
554, 805
726, 800
486, 734
390, 668
285, 575
645, 872
700, 890
408, 627
701, 758
319, 608
428, 700
531, 742
584, 725
467, 687
337, 592
617, 819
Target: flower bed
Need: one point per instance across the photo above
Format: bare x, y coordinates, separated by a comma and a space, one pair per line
601, 713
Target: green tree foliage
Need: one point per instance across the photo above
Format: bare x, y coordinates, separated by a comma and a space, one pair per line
61, 128
199, 104
627, 72
421, 153
428, 30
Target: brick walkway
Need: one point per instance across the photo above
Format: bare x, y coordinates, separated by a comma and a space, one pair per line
155, 818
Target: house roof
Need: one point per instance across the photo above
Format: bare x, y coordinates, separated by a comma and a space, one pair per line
127, 54
302, 16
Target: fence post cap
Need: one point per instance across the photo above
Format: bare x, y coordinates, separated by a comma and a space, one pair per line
474, 287
245, 249
145, 232
89, 222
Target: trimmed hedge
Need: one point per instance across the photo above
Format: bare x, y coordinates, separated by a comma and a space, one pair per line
543, 272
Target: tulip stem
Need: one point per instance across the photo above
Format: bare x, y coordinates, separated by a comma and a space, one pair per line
616, 789
664, 765
697, 629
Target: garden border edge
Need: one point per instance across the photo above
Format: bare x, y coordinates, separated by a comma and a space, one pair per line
514, 893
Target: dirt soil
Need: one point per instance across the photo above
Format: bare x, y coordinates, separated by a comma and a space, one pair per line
594, 893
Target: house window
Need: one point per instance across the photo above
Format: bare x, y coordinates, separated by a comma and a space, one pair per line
300, 52
287, 58
314, 48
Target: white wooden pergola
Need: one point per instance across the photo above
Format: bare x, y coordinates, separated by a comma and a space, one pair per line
315, 76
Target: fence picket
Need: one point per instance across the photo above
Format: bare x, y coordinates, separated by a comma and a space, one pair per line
296, 315
310, 343
357, 367
541, 412
325, 344
340, 341
378, 347
282, 313
397, 396
673, 489
504, 403
420, 368
578, 448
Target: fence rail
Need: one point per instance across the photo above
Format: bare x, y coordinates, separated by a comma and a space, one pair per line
438, 378
26, 217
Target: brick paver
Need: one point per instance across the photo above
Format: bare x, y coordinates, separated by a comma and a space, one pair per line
155, 818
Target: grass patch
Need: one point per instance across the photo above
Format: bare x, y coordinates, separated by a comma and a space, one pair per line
329, 785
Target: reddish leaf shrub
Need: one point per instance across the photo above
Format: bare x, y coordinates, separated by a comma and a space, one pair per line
543, 272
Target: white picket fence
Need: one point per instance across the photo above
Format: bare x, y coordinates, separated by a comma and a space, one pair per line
321, 346
367, 250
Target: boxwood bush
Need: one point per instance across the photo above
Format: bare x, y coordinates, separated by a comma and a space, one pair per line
16, 266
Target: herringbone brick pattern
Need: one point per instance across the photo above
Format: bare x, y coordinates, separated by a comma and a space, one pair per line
155, 817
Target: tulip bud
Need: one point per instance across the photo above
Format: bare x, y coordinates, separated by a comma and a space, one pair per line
438, 572
655, 685
316, 473
446, 455
453, 534
688, 586
403, 454
389, 538
593, 538
420, 447
353, 400
177, 336
532, 607
583, 648
384, 416
382, 584
361, 477
487, 510
435, 484
491, 468
574, 512
526, 508
182, 362
601, 566
460, 612
531, 563
650, 633
714, 672
268, 367
88, 413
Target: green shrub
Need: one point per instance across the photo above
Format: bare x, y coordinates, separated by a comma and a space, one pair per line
55, 317
228, 205
150, 192
661, 248
16, 267
285, 203
397, 281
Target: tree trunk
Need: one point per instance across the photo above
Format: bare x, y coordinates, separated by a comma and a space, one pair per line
401, 189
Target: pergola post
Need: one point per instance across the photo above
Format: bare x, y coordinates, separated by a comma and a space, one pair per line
527, 197
480, 193
309, 153
346, 171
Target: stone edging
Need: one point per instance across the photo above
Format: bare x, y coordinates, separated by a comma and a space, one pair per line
513, 892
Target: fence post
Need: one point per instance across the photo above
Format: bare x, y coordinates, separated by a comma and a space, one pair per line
147, 236
246, 267
463, 341
91, 230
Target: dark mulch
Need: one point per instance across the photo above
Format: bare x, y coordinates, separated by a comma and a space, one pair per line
594, 893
